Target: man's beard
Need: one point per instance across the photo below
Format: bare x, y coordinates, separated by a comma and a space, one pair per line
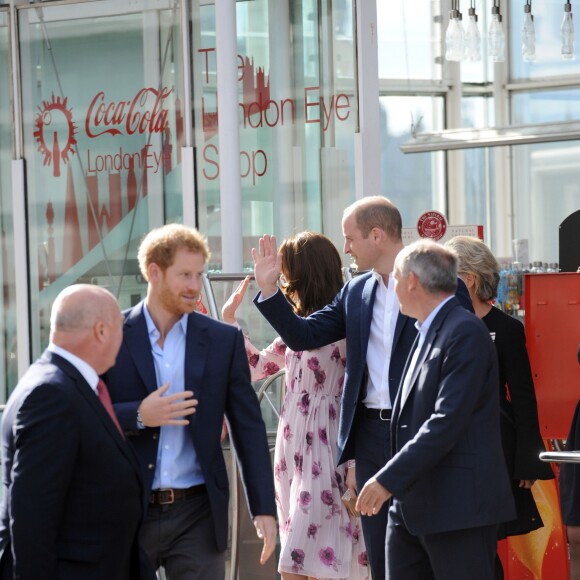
174, 304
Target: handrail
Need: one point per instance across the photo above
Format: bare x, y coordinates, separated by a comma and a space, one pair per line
207, 287
560, 456
262, 392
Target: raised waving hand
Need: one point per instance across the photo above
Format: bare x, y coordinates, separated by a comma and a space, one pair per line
232, 304
267, 265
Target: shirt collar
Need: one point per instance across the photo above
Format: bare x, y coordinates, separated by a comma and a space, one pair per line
86, 370
380, 279
423, 328
152, 329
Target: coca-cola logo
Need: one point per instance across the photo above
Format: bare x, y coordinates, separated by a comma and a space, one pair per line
54, 116
145, 113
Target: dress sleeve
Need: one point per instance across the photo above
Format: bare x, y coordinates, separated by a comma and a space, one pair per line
520, 385
266, 362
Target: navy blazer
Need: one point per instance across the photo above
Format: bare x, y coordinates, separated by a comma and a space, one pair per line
216, 370
73, 494
348, 316
448, 468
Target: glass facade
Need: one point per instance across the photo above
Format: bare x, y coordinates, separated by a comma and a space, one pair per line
103, 98
546, 176
8, 347
297, 117
409, 39
110, 110
413, 183
479, 185
548, 16
104, 122
102, 147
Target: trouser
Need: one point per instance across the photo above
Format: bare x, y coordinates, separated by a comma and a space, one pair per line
372, 451
181, 538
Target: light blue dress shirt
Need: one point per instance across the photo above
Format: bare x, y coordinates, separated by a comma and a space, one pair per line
177, 465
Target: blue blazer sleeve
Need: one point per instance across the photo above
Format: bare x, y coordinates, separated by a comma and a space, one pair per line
319, 329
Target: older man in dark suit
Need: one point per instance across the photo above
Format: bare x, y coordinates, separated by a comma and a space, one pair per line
447, 474
73, 497
170, 352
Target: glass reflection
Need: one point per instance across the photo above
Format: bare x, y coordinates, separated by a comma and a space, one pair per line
548, 16
415, 183
102, 136
297, 115
546, 177
8, 351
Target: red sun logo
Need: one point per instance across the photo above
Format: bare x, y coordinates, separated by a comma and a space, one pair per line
54, 117
432, 225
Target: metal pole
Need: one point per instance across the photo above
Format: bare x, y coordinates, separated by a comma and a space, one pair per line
229, 136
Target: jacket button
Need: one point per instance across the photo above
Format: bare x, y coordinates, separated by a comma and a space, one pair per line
151, 466
155, 436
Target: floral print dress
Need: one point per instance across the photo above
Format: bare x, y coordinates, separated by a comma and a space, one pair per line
317, 536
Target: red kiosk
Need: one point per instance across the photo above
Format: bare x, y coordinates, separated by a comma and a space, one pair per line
552, 316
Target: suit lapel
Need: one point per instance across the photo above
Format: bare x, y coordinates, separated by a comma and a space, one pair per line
197, 345
92, 400
398, 404
402, 319
366, 312
136, 339
400, 325
426, 347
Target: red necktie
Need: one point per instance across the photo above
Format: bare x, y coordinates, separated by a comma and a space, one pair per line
105, 398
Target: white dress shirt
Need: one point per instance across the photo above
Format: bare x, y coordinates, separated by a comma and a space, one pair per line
385, 312
88, 372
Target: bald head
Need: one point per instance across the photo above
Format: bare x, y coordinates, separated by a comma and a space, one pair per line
86, 321
78, 307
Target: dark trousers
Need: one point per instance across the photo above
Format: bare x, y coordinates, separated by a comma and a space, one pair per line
456, 555
181, 538
6, 568
372, 451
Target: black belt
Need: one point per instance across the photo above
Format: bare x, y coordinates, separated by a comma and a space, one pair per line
169, 496
376, 414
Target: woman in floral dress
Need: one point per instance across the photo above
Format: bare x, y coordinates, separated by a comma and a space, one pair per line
318, 537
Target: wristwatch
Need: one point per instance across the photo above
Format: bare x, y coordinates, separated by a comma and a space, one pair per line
140, 424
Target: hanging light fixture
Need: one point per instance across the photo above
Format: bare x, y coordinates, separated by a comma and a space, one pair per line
496, 36
528, 34
567, 33
454, 35
472, 35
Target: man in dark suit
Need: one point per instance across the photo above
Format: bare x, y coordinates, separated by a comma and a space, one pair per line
73, 496
170, 352
378, 339
447, 475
